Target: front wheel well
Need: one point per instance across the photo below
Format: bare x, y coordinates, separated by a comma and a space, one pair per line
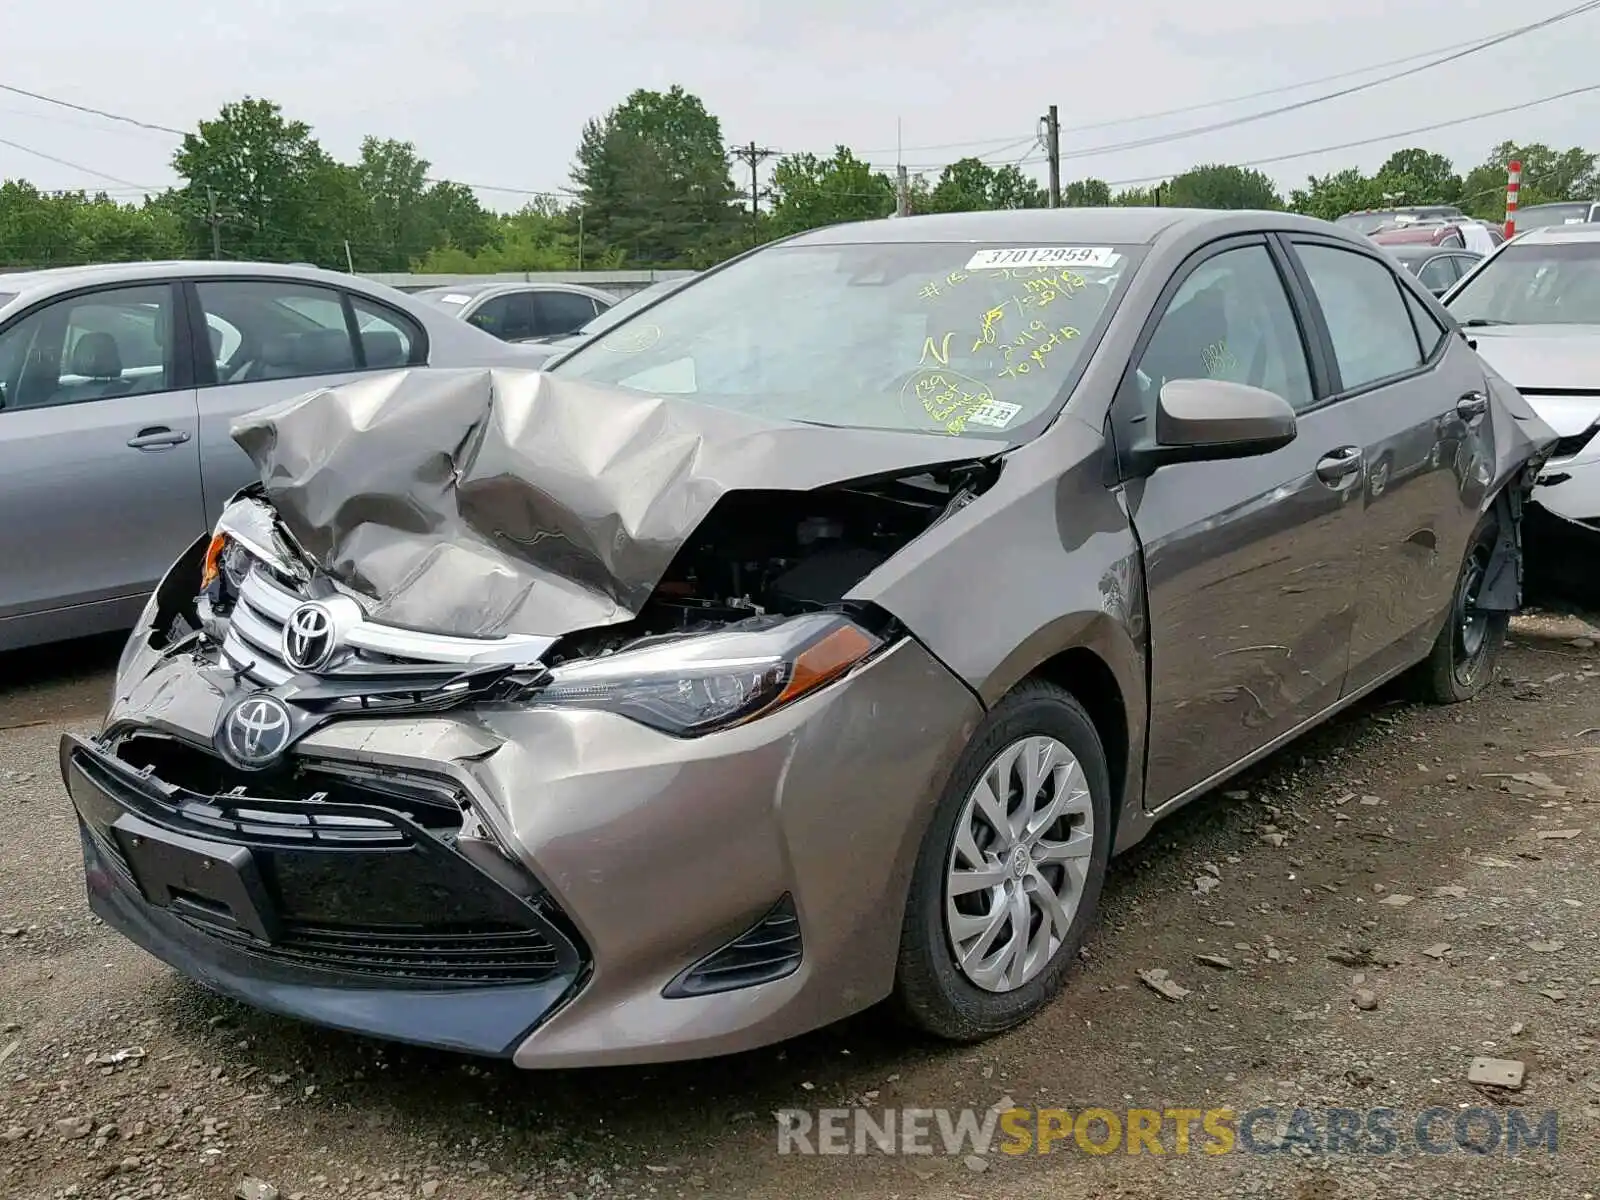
1091, 682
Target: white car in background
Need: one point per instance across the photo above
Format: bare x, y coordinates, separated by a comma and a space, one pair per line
1533, 309
520, 312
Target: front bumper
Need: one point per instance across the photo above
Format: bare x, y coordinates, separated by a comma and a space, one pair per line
644, 854
371, 925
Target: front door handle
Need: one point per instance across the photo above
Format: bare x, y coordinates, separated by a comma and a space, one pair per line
1472, 406
1334, 467
158, 437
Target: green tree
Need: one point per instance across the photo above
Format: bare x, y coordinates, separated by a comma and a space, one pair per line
653, 179
1547, 175
966, 185
1218, 185
810, 192
43, 230
281, 195
453, 217
1331, 196
1137, 197
1420, 177
1010, 188
1086, 193
393, 179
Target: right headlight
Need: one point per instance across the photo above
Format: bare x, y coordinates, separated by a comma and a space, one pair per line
694, 685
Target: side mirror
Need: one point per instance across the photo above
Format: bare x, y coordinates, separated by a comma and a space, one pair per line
1199, 420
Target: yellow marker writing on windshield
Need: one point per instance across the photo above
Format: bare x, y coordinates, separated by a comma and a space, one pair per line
986, 334
940, 352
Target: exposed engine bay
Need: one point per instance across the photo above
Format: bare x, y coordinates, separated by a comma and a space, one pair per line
773, 554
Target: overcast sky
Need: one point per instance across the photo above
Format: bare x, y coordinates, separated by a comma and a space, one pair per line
495, 92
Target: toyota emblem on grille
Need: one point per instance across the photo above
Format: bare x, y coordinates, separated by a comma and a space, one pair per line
255, 731
309, 637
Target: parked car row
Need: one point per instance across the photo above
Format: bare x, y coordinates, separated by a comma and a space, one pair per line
812, 636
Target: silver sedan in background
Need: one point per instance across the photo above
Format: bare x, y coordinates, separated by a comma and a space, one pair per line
518, 312
118, 385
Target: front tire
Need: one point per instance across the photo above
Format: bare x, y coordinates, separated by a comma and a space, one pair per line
1010, 871
1464, 656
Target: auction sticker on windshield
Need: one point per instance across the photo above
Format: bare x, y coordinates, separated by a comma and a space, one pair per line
1043, 256
997, 413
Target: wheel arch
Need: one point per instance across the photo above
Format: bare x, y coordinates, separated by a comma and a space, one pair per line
1089, 680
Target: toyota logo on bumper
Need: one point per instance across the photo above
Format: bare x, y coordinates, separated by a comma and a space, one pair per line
255, 731
310, 637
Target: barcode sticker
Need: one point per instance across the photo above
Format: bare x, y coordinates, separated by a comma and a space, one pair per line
1044, 256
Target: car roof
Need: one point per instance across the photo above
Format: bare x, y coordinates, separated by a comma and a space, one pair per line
1552, 235
494, 287
32, 286
1126, 225
88, 276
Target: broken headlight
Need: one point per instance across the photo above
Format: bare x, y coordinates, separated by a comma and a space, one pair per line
695, 685
223, 572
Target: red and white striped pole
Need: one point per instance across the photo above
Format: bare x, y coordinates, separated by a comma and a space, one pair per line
1513, 186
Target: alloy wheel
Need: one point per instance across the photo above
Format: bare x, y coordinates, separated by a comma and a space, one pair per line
1016, 871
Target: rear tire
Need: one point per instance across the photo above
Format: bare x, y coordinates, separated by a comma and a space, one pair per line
1465, 654
1015, 902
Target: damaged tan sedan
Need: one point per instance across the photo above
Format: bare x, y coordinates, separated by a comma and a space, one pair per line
813, 638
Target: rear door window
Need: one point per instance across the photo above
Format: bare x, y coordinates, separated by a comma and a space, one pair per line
1365, 309
388, 338
286, 329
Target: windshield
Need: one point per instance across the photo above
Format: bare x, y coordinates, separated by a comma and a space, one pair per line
1530, 284
958, 338
627, 306
1542, 216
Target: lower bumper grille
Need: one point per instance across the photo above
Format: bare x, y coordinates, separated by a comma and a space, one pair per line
466, 957
352, 888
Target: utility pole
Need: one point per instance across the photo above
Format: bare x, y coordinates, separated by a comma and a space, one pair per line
902, 193
213, 220
1052, 149
753, 156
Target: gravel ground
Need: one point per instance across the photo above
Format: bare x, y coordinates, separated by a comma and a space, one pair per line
1403, 891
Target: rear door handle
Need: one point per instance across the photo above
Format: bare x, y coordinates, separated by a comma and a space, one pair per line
158, 437
1336, 466
1472, 406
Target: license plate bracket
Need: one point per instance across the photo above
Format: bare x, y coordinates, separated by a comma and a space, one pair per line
221, 880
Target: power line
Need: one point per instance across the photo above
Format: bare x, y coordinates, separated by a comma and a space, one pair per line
1387, 137
97, 112
1287, 87
75, 166
1476, 43
1197, 130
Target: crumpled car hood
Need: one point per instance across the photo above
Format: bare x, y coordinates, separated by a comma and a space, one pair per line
485, 502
